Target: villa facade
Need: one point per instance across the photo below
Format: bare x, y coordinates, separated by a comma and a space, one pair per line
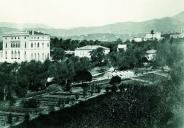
25, 46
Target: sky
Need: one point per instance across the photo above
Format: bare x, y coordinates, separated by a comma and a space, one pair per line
77, 13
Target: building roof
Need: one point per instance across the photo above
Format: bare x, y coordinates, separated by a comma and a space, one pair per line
23, 33
151, 51
36, 33
91, 47
16, 33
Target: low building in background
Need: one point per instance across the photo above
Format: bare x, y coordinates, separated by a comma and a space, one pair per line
153, 36
177, 35
26, 46
138, 39
122, 47
85, 51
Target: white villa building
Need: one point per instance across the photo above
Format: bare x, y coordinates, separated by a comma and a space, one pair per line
25, 46
138, 39
153, 36
122, 47
85, 51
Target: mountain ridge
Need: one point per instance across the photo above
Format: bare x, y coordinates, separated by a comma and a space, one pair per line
164, 25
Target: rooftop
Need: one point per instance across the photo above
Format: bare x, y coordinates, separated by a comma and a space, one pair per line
24, 33
91, 47
153, 51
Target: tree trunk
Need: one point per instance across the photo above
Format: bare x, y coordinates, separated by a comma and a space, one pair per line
5, 94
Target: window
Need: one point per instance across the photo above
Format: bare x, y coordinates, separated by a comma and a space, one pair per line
6, 55
35, 56
31, 56
38, 45
5, 38
38, 37
11, 54
18, 37
18, 54
38, 56
31, 45
25, 44
42, 56
25, 55
18, 44
6, 45
42, 45
11, 37
47, 44
25, 37
15, 54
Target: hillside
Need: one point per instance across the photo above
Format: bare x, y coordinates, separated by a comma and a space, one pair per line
166, 24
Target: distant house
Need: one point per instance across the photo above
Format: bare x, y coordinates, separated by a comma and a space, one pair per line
138, 39
122, 47
151, 54
85, 51
177, 35
150, 36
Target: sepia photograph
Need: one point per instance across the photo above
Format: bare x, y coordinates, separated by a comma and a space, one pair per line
91, 64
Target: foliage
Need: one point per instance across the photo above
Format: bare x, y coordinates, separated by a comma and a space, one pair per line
1, 45
97, 56
32, 75
83, 76
115, 80
9, 118
31, 103
57, 54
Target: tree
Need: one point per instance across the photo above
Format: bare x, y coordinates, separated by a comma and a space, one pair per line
10, 118
83, 76
26, 118
115, 80
32, 103
1, 45
33, 75
84, 63
57, 54
119, 41
97, 56
8, 80
152, 32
